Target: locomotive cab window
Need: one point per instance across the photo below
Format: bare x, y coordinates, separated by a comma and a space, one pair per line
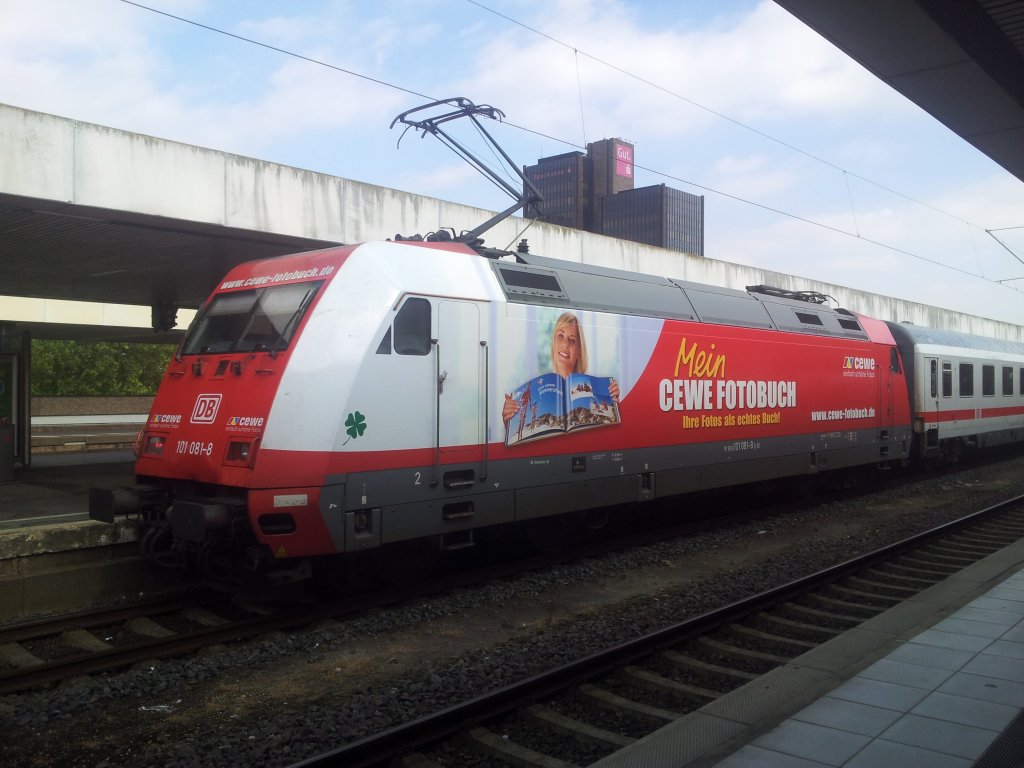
412, 328
250, 321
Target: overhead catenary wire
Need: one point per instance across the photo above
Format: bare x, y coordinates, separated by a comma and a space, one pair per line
1009, 250
853, 209
579, 92
709, 110
277, 49
711, 190
846, 172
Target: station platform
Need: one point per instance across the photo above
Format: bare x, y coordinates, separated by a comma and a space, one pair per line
84, 434
937, 682
55, 487
52, 556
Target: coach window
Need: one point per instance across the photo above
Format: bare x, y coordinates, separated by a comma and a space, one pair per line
966, 380
988, 381
947, 379
1020, 381
933, 370
412, 328
1007, 381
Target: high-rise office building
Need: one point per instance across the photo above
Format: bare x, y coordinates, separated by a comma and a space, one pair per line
594, 192
561, 179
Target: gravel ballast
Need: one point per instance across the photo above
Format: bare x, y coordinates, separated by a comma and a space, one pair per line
284, 697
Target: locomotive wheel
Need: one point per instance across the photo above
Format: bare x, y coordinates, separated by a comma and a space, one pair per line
155, 539
550, 535
952, 450
406, 562
335, 573
216, 562
596, 519
156, 545
804, 488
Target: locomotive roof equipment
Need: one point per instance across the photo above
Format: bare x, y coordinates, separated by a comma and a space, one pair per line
464, 108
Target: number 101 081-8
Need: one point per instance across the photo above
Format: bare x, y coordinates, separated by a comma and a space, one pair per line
194, 448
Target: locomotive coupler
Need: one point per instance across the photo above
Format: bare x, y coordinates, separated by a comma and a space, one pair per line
200, 520
106, 503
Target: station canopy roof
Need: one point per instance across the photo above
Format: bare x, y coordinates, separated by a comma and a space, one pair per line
962, 61
63, 251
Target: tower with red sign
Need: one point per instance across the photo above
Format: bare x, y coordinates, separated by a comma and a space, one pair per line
610, 171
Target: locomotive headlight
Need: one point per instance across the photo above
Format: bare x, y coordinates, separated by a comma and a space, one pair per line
240, 452
153, 445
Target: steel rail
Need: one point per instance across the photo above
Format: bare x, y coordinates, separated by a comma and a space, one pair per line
116, 657
97, 617
379, 749
48, 672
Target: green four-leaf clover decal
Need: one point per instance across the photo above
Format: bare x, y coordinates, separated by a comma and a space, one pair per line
356, 424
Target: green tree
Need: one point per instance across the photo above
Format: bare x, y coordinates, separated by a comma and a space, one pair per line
74, 368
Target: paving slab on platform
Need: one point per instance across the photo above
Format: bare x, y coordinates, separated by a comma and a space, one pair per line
934, 682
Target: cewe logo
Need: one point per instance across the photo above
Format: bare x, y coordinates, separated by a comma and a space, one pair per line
858, 363
206, 408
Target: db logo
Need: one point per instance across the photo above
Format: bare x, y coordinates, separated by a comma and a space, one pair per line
206, 409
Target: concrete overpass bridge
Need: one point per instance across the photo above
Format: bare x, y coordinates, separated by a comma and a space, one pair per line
91, 215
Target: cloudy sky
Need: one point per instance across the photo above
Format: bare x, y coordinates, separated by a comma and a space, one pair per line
808, 164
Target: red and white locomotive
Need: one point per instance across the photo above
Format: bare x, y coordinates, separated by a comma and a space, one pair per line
348, 399
399, 397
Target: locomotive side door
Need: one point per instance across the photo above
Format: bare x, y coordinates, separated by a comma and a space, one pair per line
885, 411
927, 396
461, 365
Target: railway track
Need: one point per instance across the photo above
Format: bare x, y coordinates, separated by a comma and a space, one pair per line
48, 650
578, 713
52, 649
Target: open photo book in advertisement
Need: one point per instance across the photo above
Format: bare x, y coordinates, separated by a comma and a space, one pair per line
550, 405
